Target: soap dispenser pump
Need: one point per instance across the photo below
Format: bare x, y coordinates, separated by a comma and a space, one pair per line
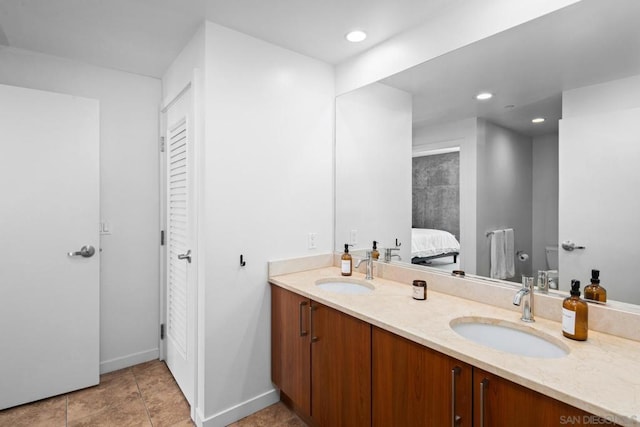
594, 292
375, 254
575, 315
346, 266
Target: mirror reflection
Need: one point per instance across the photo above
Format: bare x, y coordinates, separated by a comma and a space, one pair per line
418, 151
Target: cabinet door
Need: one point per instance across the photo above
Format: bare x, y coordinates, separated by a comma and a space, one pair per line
290, 352
499, 402
416, 386
341, 369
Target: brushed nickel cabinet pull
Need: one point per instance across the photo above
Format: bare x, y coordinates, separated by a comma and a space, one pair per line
302, 331
483, 386
455, 419
314, 338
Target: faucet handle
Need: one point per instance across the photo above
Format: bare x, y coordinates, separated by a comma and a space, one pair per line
543, 281
527, 282
388, 254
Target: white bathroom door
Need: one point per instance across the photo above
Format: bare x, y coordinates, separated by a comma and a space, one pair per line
49, 300
600, 214
180, 254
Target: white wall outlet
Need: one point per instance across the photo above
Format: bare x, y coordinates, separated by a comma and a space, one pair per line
313, 240
353, 237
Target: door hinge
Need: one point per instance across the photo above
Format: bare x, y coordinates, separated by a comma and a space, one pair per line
161, 237
162, 331
162, 144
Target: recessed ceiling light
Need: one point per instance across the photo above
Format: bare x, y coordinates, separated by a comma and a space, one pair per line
484, 96
538, 120
356, 36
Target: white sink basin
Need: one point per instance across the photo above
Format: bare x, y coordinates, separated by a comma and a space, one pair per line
510, 337
345, 286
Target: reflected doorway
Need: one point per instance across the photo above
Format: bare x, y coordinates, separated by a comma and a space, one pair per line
435, 233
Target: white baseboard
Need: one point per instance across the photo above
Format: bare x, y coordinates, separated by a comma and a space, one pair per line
239, 411
128, 360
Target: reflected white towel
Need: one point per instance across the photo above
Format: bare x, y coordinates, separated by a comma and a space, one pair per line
498, 259
509, 253
502, 254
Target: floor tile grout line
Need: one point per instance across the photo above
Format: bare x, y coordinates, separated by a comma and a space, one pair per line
144, 401
126, 372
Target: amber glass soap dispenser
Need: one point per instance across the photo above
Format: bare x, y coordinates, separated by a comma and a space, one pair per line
594, 292
575, 315
375, 254
347, 262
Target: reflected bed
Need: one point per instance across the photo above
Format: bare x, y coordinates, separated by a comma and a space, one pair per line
428, 244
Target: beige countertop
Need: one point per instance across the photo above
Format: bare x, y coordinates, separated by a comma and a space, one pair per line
600, 375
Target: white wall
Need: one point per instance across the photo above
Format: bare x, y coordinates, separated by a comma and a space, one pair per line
129, 297
459, 24
504, 192
181, 71
268, 180
373, 168
461, 134
545, 199
598, 157
622, 94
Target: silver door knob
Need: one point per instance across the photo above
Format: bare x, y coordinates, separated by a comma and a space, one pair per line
568, 245
186, 256
85, 251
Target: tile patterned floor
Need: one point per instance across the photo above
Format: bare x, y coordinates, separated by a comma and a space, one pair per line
276, 415
143, 395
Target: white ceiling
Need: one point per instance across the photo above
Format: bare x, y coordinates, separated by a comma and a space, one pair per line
529, 66
143, 36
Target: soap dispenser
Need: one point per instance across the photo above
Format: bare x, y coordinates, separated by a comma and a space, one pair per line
594, 292
575, 315
346, 265
375, 254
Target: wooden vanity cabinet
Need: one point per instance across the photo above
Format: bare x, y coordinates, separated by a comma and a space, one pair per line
336, 370
290, 348
500, 402
320, 361
340, 368
416, 386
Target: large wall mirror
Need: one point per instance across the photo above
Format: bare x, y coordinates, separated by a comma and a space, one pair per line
417, 151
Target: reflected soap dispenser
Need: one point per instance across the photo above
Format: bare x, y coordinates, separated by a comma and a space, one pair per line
594, 292
575, 315
375, 254
346, 266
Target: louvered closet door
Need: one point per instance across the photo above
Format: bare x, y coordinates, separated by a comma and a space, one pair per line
178, 236
180, 257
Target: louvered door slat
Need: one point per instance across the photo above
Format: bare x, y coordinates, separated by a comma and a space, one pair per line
177, 195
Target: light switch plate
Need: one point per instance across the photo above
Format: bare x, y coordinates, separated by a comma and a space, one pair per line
105, 228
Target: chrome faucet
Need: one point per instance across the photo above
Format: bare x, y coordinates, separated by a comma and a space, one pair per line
369, 260
388, 254
543, 282
527, 292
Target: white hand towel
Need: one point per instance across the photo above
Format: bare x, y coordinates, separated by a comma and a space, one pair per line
509, 253
498, 261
